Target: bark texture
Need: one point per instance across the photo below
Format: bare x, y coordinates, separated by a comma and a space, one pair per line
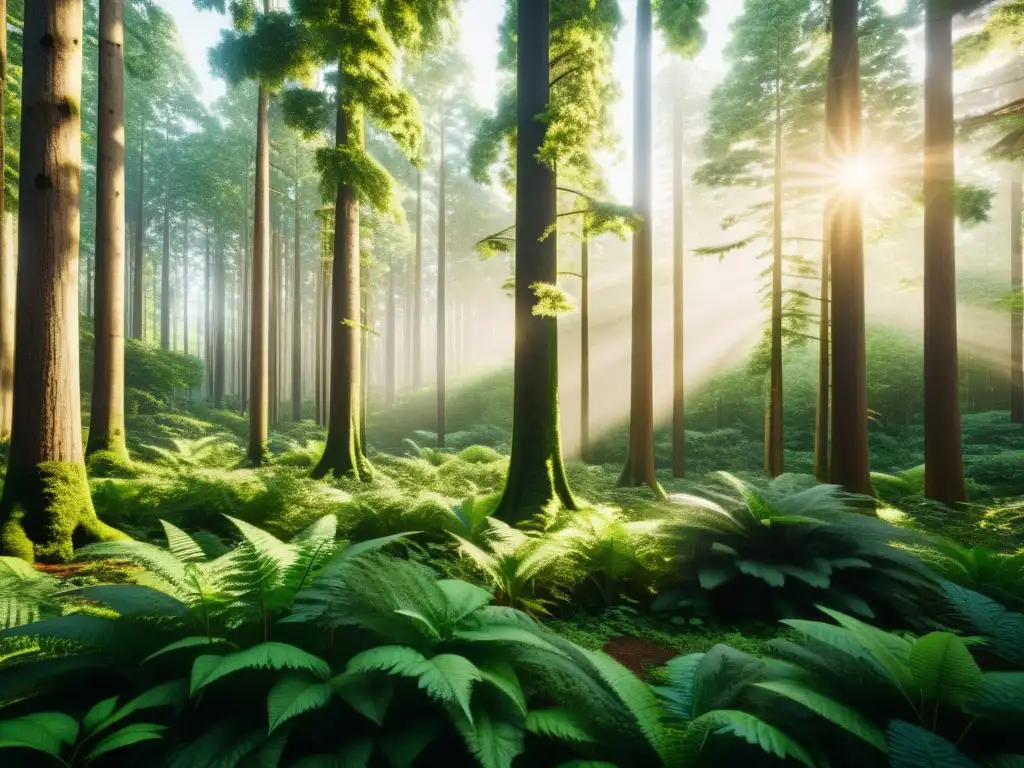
46, 508
8, 277
106, 424
536, 473
139, 246
773, 452
943, 442
259, 361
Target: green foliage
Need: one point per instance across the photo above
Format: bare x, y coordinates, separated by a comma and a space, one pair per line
552, 301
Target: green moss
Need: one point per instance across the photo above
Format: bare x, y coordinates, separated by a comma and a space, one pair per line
47, 510
110, 462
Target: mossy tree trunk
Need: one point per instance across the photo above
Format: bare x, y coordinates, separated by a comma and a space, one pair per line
343, 452
639, 469
850, 464
943, 441
106, 424
8, 277
536, 474
274, 331
1017, 312
46, 508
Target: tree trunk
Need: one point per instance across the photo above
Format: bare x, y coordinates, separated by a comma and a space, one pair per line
585, 346
639, 467
106, 417
850, 465
184, 279
246, 259
822, 410
678, 324
536, 474
318, 331
275, 329
259, 371
219, 324
165, 268
208, 337
1017, 312
138, 324
297, 307
46, 504
944, 467
773, 463
417, 295
392, 332
88, 285
442, 306
8, 277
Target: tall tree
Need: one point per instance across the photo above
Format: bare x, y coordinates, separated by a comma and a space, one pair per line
417, 289
1017, 311
165, 264
442, 258
678, 324
46, 501
850, 463
106, 424
7, 271
297, 303
138, 313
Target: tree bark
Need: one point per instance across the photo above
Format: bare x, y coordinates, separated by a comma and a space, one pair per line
773, 459
106, 417
165, 267
1017, 312
259, 361
822, 410
678, 323
943, 455
46, 506
208, 324
850, 465
184, 279
536, 474
417, 293
8, 277
275, 330
297, 307
138, 314
219, 324
442, 306
639, 467
585, 346
318, 329
392, 333
246, 259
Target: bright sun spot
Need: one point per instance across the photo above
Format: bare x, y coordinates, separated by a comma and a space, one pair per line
858, 174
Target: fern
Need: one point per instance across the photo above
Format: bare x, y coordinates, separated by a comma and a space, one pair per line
268, 655
751, 729
26, 594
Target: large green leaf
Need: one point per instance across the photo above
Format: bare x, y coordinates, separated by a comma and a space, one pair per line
911, 746
944, 669
293, 695
721, 677
98, 713
199, 641
560, 724
494, 742
463, 598
181, 545
502, 676
171, 693
754, 731
1000, 692
41, 731
678, 695
367, 694
892, 653
130, 734
769, 574
269, 655
713, 576
845, 717
506, 634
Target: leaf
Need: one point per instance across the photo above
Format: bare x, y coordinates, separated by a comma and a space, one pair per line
560, 724
420, 619
892, 653
188, 642
463, 598
41, 731
98, 713
130, 734
678, 696
167, 694
502, 676
269, 655
845, 717
769, 574
811, 578
495, 743
944, 669
1000, 693
712, 576
293, 695
355, 754
721, 677
369, 696
911, 746
181, 545
754, 731
506, 634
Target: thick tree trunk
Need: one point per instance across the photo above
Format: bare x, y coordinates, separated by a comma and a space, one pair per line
639, 467
392, 341
106, 417
850, 465
536, 474
417, 290
8, 276
585, 346
442, 306
678, 324
219, 325
297, 307
943, 455
1017, 312
138, 313
165, 267
773, 461
46, 507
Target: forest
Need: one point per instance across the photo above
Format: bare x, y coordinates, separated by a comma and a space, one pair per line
507, 383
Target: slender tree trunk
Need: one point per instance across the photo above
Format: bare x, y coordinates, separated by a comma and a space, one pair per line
8, 274
165, 268
1017, 312
154, 330
89, 262
822, 411
106, 417
138, 328
246, 272
297, 307
259, 371
943, 455
639, 467
184, 279
417, 290
275, 317
392, 332
773, 462
219, 324
851, 467
536, 474
46, 502
317, 330
585, 346
407, 319
678, 323
442, 307
364, 359
208, 324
